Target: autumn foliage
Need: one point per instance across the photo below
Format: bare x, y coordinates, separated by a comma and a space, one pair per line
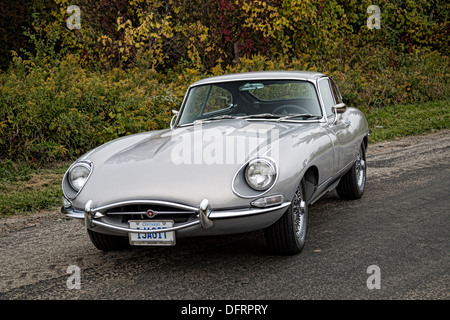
64, 91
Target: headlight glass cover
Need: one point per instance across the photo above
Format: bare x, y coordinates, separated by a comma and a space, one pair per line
260, 174
78, 175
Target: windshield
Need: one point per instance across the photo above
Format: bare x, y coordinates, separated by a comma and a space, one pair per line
279, 100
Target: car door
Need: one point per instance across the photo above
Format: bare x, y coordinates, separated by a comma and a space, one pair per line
340, 131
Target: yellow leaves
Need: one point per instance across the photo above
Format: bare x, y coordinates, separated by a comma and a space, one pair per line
263, 17
217, 70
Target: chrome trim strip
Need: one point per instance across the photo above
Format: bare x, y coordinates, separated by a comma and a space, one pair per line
118, 228
145, 212
155, 202
78, 214
205, 216
73, 213
247, 212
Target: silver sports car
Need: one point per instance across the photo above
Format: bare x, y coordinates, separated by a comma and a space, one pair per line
245, 152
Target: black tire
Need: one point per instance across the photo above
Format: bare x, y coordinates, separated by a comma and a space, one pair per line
353, 183
106, 242
287, 236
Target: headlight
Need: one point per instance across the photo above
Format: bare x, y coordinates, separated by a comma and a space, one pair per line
260, 174
78, 175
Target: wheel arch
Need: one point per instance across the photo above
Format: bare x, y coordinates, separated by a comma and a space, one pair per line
365, 142
311, 177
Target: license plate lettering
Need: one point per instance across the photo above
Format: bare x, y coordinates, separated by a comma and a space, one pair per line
162, 238
159, 235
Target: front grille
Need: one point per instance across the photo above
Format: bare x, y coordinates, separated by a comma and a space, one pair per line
161, 212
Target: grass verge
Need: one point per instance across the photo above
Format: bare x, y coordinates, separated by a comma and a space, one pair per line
398, 121
25, 189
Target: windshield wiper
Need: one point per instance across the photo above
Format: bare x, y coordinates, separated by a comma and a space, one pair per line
304, 115
259, 115
224, 116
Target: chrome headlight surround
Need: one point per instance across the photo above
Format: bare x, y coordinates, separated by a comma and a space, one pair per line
260, 174
76, 177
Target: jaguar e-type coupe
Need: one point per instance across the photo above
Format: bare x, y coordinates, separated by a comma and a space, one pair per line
245, 152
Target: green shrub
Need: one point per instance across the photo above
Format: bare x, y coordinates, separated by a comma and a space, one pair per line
60, 113
77, 89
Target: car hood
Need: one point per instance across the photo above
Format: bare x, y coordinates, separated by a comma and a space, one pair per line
183, 165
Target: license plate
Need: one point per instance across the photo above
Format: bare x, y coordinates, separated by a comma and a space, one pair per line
151, 239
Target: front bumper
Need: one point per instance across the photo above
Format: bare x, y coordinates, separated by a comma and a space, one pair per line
206, 221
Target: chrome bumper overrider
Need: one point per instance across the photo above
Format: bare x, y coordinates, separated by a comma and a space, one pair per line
205, 215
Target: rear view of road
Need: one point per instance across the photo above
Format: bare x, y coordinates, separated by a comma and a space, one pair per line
394, 243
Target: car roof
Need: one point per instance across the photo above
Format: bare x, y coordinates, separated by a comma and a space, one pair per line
262, 75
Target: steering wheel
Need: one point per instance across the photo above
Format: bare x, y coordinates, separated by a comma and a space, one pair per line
289, 109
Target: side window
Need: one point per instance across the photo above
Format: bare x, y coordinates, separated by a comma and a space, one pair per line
327, 96
203, 101
196, 100
218, 99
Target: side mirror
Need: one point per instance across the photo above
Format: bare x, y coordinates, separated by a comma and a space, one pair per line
174, 118
337, 109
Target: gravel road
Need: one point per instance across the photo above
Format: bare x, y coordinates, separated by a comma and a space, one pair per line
401, 227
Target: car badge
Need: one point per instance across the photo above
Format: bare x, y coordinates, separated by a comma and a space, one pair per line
151, 213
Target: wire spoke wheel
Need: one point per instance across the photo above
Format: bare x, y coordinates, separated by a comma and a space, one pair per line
287, 236
299, 213
360, 168
353, 183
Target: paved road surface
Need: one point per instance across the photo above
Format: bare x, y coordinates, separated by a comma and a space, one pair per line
400, 230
